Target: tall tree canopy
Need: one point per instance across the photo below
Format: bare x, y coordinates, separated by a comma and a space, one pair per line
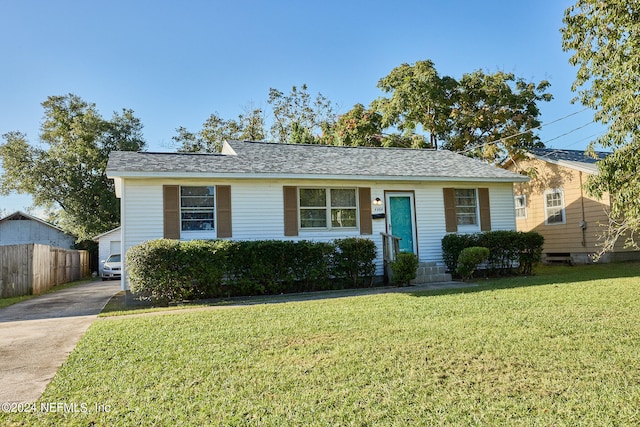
491, 115
297, 117
418, 97
364, 127
604, 38
216, 130
67, 168
484, 115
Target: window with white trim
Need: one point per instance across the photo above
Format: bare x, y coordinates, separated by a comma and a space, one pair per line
328, 208
521, 206
197, 208
466, 206
554, 207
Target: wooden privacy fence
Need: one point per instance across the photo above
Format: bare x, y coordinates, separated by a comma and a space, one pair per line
34, 268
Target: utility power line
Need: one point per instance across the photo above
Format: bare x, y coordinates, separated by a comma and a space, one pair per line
529, 130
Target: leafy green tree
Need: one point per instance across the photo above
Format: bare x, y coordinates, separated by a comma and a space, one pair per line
67, 169
603, 37
359, 127
413, 140
363, 127
483, 115
419, 97
216, 130
298, 110
491, 115
252, 125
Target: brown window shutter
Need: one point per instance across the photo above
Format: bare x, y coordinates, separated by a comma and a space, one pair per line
171, 206
364, 202
485, 210
223, 210
290, 211
450, 218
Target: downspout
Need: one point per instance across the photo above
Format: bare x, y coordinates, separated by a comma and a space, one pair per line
583, 224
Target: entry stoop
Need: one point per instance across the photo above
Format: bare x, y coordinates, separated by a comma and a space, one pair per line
429, 272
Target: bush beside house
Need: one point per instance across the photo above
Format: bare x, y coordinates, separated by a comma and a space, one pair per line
469, 260
509, 251
404, 268
172, 270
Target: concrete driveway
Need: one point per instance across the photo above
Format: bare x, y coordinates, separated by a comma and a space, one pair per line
37, 335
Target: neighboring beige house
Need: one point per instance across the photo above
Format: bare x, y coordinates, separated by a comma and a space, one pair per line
555, 204
255, 190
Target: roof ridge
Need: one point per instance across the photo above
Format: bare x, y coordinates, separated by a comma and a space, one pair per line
174, 153
293, 144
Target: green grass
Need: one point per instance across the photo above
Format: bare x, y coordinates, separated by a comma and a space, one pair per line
6, 302
556, 349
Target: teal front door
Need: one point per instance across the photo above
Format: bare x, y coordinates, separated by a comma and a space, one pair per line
401, 219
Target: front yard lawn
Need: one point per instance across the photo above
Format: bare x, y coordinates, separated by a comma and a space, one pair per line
559, 348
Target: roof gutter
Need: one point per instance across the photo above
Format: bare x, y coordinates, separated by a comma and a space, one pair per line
124, 175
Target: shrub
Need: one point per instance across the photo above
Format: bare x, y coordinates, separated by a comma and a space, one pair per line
274, 266
530, 251
469, 259
171, 270
312, 265
452, 245
354, 260
404, 268
507, 249
260, 266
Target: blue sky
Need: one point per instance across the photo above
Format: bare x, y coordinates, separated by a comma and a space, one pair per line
175, 63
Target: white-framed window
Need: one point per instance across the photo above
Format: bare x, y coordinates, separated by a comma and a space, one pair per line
327, 208
197, 208
466, 206
554, 207
521, 206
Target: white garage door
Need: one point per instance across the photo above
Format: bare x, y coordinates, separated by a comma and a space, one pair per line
114, 247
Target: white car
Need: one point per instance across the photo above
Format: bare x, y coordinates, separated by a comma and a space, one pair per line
111, 267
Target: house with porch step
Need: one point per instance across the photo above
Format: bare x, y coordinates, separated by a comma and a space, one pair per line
402, 199
555, 204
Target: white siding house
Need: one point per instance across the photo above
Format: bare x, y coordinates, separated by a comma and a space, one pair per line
21, 228
258, 190
108, 243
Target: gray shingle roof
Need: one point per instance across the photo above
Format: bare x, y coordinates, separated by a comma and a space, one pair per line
568, 155
576, 159
308, 161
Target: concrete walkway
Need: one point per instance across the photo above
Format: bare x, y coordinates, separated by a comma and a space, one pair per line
37, 335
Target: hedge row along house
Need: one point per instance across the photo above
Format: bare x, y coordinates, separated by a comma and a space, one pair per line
258, 190
555, 204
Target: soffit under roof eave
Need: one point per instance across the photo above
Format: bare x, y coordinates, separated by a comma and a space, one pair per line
591, 168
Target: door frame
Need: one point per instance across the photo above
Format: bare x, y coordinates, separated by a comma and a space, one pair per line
412, 202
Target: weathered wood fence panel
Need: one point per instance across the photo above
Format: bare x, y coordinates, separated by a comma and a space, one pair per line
34, 268
15, 270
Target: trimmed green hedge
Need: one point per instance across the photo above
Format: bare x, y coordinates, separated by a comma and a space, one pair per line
171, 270
506, 249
